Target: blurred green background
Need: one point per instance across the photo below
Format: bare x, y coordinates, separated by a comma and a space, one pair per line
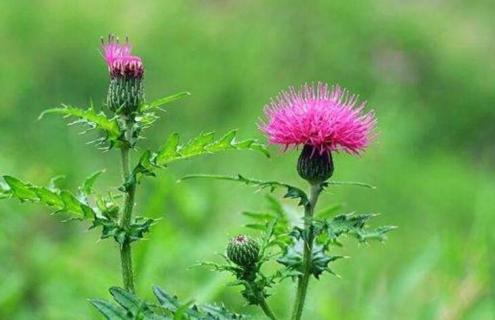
426, 67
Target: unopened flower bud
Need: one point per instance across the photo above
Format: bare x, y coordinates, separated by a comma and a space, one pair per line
243, 251
313, 166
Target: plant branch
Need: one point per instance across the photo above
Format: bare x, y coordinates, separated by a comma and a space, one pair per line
303, 281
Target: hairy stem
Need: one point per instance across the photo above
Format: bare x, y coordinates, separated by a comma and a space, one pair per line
125, 221
302, 284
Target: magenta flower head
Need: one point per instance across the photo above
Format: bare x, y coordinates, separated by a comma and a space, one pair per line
322, 120
120, 61
126, 71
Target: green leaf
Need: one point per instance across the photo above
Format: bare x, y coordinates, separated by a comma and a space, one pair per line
60, 200
259, 216
197, 145
293, 259
71, 203
163, 101
291, 191
169, 150
348, 183
327, 212
166, 300
127, 300
355, 225
22, 191
89, 117
50, 198
87, 186
203, 144
109, 310
215, 312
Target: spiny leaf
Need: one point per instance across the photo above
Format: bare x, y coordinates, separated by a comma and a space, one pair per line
90, 117
348, 183
21, 190
169, 150
201, 145
163, 101
109, 310
87, 186
166, 300
355, 225
292, 192
215, 312
127, 300
60, 200
292, 258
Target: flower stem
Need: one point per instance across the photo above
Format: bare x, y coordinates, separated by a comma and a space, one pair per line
302, 285
125, 221
266, 309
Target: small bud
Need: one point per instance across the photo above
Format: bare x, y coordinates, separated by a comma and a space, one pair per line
243, 251
313, 166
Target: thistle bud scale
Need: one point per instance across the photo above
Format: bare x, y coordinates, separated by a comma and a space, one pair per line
313, 166
243, 251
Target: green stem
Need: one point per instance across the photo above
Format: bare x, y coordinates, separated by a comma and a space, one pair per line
125, 222
302, 285
251, 285
266, 309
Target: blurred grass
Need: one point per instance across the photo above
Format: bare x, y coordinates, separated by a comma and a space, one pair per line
426, 67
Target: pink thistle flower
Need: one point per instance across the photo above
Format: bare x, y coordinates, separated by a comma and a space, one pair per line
327, 120
119, 59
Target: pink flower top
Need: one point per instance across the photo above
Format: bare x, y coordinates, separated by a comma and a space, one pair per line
327, 119
119, 59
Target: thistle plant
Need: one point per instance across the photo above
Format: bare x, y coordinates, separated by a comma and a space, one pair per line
122, 122
321, 121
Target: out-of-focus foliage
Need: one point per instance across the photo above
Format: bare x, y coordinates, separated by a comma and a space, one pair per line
130, 307
424, 66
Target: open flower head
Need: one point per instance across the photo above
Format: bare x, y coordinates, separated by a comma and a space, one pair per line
119, 59
328, 119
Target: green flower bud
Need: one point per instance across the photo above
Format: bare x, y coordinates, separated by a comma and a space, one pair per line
125, 94
243, 251
313, 166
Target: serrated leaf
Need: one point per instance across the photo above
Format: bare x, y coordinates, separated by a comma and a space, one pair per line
224, 142
21, 190
49, 197
169, 150
109, 310
71, 203
166, 300
293, 258
61, 201
215, 312
202, 145
88, 183
163, 101
197, 145
127, 300
89, 117
355, 225
292, 192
